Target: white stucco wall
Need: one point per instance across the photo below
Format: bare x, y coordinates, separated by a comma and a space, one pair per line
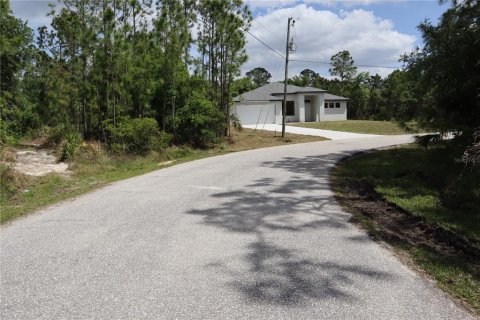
313, 111
253, 112
335, 114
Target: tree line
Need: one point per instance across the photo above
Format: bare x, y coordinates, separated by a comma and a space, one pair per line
372, 97
102, 63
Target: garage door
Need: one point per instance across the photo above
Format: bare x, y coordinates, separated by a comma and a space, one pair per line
250, 114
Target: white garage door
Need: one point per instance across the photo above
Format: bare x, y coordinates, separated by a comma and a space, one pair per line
250, 114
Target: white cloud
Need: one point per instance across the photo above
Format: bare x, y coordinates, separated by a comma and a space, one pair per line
33, 11
269, 4
275, 4
319, 34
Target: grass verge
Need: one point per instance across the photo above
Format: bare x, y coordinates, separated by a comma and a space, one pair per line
361, 126
94, 168
399, 197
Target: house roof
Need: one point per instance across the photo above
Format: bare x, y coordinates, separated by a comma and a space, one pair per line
273, 91
329, 96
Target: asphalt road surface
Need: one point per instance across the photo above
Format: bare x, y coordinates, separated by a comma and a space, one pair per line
249, 235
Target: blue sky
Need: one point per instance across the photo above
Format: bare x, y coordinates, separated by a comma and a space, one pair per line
375, 32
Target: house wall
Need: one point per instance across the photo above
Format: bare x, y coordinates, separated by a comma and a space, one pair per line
252, 112
271, 111
316, 103
335, 114
278, 110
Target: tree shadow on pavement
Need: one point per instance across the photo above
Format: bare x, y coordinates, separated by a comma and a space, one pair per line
270, 209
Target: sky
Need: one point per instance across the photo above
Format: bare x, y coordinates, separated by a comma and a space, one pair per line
375, 32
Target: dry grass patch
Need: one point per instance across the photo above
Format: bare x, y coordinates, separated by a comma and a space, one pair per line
247, 139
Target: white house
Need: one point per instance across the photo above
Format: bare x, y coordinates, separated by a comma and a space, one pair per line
304, 104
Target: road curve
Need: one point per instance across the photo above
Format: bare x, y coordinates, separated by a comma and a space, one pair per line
249, 235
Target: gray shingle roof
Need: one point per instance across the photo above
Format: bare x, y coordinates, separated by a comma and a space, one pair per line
329, 96
273, 91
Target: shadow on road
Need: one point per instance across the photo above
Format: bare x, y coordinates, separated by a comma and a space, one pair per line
271, 210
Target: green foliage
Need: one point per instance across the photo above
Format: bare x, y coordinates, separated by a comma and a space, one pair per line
70, 146
132, 135
343, 66
425, 182
163, 140
242, 85
259, 76
447, 69
56, 135
200, 123
235, 121
7, 181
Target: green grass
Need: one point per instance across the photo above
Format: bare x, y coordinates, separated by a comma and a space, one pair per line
24, 194
452, 275
422, 182
357, 126
417, 180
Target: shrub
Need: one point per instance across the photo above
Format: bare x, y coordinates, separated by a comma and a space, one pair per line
56, 135
199, 123
71, 144
10, 182
235, 121
464, 191
162, 141
134, 136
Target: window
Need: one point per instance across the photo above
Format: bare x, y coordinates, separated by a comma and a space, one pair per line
337, 104
290, 111
332, 105
326, 105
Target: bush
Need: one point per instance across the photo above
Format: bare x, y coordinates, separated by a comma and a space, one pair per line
10, 182
162, 141
235, 121
464, 191
134, 136
71, 144
199, 123
56, 135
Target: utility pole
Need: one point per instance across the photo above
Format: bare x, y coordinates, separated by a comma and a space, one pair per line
287, 52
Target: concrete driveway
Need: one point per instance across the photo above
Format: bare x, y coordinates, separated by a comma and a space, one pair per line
330, 134
249, 235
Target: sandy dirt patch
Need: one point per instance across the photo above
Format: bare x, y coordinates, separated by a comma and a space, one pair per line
38, 163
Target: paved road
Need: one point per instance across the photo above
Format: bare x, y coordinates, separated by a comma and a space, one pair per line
330, 134
250, 235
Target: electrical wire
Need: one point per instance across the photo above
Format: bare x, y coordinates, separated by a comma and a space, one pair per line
357, 65
311, 61
266, 45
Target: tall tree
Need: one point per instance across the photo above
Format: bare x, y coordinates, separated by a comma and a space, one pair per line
448, 69
173, 39
343, 66
221, 42
15, 53
310, 77
260, 76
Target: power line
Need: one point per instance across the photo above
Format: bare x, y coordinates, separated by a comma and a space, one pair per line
310, 61
254, 36
266, 45
357, 65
